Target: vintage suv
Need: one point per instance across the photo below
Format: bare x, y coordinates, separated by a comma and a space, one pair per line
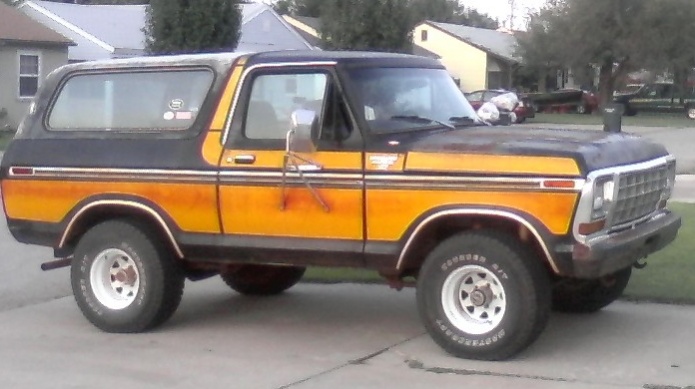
142, 172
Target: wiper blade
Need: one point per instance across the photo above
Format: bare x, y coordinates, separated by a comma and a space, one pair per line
465, 120
421, 119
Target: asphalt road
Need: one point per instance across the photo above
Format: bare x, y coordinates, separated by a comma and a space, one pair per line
326, 336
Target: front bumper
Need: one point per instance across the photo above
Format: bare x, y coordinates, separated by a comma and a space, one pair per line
616, 251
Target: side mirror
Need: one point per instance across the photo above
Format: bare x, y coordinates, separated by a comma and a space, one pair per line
303, 125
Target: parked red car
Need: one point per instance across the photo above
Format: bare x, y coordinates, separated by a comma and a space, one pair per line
524, 110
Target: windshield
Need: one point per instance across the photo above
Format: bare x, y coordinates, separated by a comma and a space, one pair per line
406, 99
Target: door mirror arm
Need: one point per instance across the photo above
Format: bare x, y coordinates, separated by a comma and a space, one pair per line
299, 140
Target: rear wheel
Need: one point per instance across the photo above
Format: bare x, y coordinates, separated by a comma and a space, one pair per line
123, 280
587, 296
262, 280
690, 111
581, 109
483, 296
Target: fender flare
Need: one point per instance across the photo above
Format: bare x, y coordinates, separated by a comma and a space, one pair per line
475, 212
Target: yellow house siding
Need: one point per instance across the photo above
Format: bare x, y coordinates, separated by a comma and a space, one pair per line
463, 61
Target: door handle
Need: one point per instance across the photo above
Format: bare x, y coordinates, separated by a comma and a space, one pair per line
244, 159
305, 168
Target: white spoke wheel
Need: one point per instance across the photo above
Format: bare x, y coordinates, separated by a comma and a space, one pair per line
482, 295
115, 278
123, 279
473, 299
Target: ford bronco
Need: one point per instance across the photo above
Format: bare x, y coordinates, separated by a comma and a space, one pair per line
143, 172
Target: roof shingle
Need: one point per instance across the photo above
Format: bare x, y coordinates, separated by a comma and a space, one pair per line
498, 43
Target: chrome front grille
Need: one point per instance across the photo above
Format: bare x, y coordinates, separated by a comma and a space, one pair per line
639, 193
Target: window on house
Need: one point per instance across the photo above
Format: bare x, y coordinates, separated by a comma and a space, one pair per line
28, 75
423, 35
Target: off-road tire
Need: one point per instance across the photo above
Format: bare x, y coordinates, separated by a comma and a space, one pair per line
156, 291
690, 112
477, 258
588, 296
262, 280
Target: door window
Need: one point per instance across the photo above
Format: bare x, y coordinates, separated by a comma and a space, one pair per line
275, 96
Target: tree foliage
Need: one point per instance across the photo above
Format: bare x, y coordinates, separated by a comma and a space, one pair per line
450, 11
383, 25
184, 26
616, 36
310, 8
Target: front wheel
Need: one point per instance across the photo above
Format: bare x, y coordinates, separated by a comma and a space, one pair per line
123, 280
262, 280
587, 296
481, 295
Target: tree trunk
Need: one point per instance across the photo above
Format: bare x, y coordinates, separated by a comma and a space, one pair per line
606, 83
608, 75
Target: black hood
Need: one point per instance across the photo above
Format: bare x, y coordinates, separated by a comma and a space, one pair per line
591, 149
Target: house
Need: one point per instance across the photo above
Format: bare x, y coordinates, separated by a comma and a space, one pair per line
478, 58
28, 52
116, 31
310, 29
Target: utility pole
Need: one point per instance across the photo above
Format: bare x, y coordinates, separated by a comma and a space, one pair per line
512, 13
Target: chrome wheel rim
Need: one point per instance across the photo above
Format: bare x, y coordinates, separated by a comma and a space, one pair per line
115, 279
473, 299
691, 113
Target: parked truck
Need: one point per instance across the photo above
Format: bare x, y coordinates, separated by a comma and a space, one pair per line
143, 172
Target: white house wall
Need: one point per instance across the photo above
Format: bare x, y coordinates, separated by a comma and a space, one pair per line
50, 59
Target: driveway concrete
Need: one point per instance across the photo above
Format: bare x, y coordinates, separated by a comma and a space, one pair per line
335, 336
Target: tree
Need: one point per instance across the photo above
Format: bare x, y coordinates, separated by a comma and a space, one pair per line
616, 36
184, 26
310, 8
575, 33
471, 17
381, 25
668, 39
444, 11
450, 11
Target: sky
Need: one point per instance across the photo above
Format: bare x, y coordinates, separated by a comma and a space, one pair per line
500, 9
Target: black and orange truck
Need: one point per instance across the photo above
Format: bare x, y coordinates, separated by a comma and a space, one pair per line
143, 172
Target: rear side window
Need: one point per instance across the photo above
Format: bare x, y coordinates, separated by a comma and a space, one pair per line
135, 101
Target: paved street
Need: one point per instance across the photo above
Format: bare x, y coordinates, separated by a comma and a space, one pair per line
325, 336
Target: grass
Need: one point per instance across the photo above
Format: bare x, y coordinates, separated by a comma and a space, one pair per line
641, 120
669, 275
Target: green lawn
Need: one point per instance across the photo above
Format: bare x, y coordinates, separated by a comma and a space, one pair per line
670, 273
641, 120
668, 277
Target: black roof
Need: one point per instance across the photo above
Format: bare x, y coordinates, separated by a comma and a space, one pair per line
223, 61
348, 58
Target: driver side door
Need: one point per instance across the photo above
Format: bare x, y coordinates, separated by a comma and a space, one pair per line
315, 205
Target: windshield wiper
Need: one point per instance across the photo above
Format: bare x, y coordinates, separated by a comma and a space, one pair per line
421, 119
465, 120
